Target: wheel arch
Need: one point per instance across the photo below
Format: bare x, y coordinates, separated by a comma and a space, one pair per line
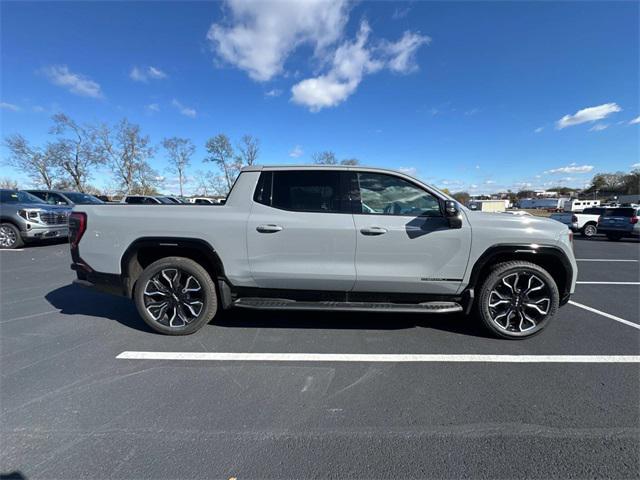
146, 250
549, 257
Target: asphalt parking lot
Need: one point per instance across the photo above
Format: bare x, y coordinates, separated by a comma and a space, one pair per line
71, 409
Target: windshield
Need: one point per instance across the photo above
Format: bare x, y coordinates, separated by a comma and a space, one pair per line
164, 200
16, 196
82, 198
620, 212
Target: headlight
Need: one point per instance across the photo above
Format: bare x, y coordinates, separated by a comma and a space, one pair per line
30, 215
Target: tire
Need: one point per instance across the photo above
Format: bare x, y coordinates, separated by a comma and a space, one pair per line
186, 288
521, 320
614, 237
589, 230
10, 236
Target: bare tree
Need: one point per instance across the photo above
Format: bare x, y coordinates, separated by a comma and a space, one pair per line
75, 151
350, 161
329, 158
210, 184
249, 149
221, 153
38, 165
180, 151
324, 158
10, 183
127, 152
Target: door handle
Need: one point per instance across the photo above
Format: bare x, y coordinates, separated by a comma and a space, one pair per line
270, 228
373, 231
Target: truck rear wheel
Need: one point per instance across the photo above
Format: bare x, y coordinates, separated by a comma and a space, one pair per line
517, 300
175, 296
589, 230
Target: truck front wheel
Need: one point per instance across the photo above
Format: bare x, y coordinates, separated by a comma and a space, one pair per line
517, 300
175, 296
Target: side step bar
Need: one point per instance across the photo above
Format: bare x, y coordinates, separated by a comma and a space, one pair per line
286, 304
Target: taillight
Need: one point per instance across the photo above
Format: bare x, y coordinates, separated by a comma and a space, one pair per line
574, 219
633, 219
77, 227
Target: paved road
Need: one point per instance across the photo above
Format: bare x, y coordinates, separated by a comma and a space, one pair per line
70, 409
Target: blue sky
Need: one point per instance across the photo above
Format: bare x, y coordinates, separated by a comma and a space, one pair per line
477, 96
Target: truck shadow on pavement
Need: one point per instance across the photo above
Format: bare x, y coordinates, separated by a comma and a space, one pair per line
74, 300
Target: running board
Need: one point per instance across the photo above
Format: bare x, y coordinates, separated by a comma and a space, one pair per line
285, 304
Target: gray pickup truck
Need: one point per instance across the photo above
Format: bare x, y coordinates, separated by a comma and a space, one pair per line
26, 218
326, 238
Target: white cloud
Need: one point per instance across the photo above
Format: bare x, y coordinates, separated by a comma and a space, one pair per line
539, 129
598, 127
152, 108
184, 110
489, 182
296, 152
635, 121
61, 76
636, 165
263, 34
401, 54
399, 13
38, 108
276, 92
590, 114
259, 36
573, 168
9, 106
350, 63
470, 113
144, 74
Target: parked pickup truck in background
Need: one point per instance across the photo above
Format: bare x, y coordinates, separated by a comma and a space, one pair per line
26, 218
326, 238
586, 222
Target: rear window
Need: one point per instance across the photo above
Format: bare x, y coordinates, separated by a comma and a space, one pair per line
594, 211
620, 212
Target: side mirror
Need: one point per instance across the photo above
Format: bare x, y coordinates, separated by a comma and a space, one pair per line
452, 213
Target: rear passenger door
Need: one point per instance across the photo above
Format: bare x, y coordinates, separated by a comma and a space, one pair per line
300, 233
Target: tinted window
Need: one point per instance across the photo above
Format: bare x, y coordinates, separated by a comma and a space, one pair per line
263, 189
388, 195
200, 201
307, 191
135, 200
13, 196
594, 211
82, 198
41, 195
620, 212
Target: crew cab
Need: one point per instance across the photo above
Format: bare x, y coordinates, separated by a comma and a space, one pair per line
586, 222
326, 238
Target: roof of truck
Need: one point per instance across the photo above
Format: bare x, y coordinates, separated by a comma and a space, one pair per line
258, 168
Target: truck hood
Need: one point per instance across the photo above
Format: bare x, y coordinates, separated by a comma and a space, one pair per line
525, 226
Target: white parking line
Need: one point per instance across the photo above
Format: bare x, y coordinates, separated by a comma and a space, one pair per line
603, 260
608, 283
375, 357
11, 250
605, 314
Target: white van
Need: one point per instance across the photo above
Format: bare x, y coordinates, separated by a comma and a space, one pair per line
575, 205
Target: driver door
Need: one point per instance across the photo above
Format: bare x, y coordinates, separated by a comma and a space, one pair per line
404, 243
